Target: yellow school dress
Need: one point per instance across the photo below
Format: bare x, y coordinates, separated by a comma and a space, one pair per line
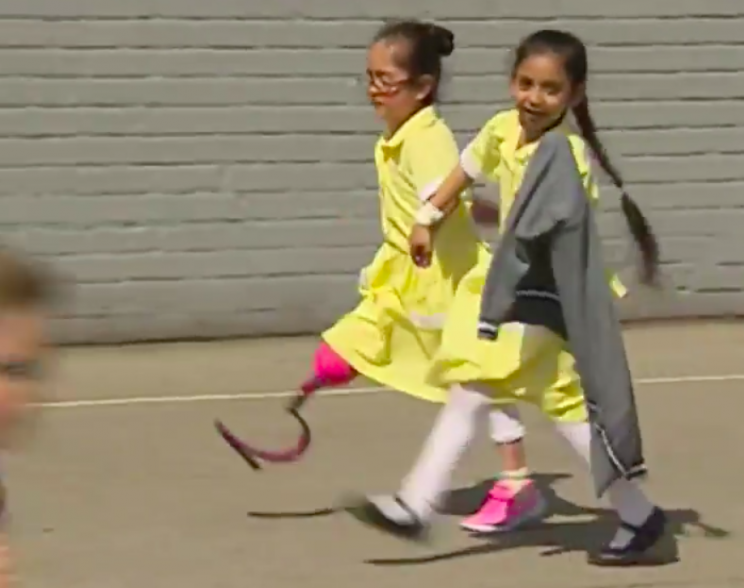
525, 362
392, 335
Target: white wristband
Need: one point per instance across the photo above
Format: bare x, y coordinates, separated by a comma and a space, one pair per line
428, 215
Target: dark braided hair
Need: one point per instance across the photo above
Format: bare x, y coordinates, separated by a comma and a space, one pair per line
574, 55
428, 43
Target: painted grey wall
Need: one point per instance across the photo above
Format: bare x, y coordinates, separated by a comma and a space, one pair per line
204, 168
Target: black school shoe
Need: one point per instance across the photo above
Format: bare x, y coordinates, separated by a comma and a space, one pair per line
404, 524
640, 549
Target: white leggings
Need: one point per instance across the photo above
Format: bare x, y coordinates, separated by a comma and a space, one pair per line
505, 424
453, 432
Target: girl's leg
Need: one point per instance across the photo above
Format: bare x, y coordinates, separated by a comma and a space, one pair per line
642, 523
514, 500
507, 432
329, 369
408, 513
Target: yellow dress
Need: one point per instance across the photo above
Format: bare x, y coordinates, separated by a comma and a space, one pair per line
392, 335
525, 362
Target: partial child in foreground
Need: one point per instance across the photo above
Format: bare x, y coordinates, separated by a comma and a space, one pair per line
26, 290
512, 341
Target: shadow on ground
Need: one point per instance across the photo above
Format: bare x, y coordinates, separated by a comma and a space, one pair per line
559, 537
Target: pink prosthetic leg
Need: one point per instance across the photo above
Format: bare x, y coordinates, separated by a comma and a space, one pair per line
329, 369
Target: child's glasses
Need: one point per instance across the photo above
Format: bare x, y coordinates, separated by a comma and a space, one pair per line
386, 83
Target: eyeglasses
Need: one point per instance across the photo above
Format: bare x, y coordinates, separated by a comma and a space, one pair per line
383, 82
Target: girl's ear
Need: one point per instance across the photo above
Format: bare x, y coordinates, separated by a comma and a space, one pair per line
424, 87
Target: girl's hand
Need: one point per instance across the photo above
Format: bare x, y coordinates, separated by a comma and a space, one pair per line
420, 243
484, 212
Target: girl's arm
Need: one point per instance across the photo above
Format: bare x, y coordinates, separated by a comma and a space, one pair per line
447, 196
433, 212
481, 155
445, 199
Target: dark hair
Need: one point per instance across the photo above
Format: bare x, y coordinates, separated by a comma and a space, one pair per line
428, 43
24, 282
574, 55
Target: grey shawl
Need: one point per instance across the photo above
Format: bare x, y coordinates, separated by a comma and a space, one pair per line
550, 237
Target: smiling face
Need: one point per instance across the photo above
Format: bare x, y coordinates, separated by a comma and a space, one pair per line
542, 92
390, 89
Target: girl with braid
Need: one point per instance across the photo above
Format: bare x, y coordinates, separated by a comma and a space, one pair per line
529, 357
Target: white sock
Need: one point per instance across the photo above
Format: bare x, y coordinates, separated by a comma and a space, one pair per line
626, 497
632, 506
506, 425
455, 427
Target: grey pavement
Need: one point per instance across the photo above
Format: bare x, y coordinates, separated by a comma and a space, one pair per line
144, 494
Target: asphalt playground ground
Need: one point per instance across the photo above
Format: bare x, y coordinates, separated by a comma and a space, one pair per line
126, 485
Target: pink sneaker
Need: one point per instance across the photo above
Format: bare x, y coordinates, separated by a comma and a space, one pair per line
506, 510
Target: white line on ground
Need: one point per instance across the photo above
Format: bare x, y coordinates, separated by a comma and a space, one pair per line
133, 400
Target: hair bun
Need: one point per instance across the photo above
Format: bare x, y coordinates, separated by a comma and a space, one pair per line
444, 38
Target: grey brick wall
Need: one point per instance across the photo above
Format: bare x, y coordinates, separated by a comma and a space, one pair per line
204, 168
